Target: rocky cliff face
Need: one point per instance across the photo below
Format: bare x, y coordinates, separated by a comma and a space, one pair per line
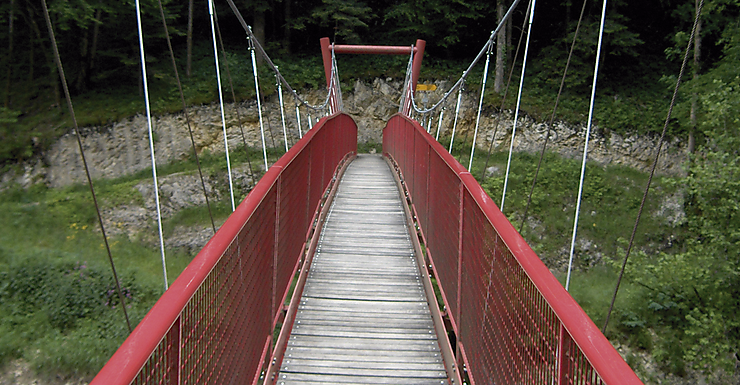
123, 148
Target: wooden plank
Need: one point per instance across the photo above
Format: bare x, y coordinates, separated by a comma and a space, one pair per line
294, 365
365, 343
303, 378
325, 316
362, 332
434, 373
372, 355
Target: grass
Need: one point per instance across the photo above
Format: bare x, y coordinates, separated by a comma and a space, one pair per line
59, 310
611, 197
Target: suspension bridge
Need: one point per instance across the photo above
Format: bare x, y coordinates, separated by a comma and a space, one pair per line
366, 269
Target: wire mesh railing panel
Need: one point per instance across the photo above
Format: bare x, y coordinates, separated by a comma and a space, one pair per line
515, 323
214, 325
444, 230
506, 319
158, 370
421, 181
294, 214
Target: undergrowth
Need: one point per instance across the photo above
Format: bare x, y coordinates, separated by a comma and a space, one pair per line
611, 197
58, 307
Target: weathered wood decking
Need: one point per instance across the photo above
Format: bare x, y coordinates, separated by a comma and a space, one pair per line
363, 317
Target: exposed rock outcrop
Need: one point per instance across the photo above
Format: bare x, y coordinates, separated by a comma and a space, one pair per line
123, 147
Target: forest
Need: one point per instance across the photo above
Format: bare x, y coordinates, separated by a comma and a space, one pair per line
690, 290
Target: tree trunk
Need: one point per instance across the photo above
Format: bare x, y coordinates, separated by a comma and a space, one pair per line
286, 28
694, 97
498, 83
31, 63
189, 62
140, 76
81, 82
10, 56
509, 52
32, 42
259, 28
96, 35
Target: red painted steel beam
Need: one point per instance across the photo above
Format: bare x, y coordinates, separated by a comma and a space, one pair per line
416, 65
373, 49
418, 49
326, 55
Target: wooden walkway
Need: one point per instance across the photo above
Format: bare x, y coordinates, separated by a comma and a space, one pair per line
363, 317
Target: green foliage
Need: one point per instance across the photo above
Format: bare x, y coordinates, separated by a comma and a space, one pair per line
345, 16
694, 293
446, 21
610, 199
58, 307
364, 148
46, 299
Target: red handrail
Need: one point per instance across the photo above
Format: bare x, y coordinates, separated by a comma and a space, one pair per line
513, 320
215, 323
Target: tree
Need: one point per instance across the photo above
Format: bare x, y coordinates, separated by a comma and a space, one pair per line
10, 53
693, 295
498, 81
189, 58
346, 18
444, 23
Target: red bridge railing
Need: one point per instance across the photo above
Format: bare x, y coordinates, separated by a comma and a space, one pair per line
215, 323
514, 322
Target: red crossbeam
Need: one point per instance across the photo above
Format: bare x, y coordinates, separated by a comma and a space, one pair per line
418, 49
374, 49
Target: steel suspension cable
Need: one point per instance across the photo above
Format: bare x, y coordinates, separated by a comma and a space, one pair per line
407, 86
282, 110
221, 101
470, 67
187, 115
151, 143
506, 93
439, 123
518, 103
63, 79
655, 162
259, 102
508, 83
552, 118
271, 64
335, 81
233, 95
480, 105
457, 113
585, 146
298, 119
